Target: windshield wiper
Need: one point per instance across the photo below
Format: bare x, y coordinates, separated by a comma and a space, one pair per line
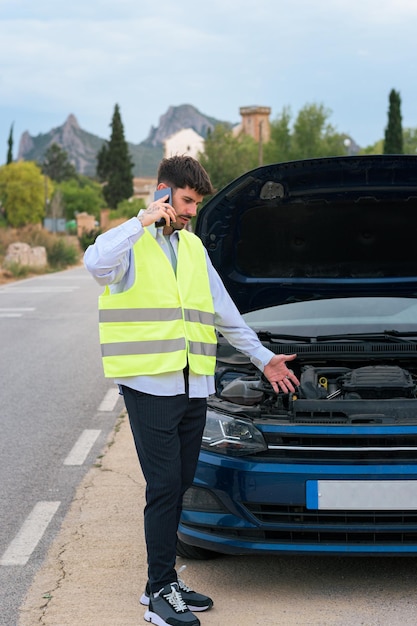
393, 336
267, 335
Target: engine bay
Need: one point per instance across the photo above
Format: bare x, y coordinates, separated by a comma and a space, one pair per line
360, 393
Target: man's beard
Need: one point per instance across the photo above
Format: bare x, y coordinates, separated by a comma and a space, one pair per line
177, 225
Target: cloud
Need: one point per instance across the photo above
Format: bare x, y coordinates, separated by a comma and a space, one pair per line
84, 57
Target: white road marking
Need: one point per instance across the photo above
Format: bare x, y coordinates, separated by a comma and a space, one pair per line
45, 289
15, 312
62, 276
109, 400
82, 447
31, 532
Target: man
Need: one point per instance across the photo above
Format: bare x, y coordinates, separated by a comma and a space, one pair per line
161, 305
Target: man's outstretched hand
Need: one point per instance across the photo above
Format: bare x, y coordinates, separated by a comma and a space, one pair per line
278, 373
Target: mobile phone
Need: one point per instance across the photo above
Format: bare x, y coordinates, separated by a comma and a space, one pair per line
161, 193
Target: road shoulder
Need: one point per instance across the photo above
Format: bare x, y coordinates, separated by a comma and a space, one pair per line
96, 566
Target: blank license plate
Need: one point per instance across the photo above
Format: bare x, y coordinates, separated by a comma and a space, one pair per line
362, 495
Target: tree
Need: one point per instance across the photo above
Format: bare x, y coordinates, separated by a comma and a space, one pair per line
102, 169
375, 148
278, 149
410, 140
10, 150
81, 194
115, 165
24, 192
56, 165
226, 156
393, 143
313, 136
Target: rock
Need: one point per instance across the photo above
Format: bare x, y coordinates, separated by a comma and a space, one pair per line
22, 254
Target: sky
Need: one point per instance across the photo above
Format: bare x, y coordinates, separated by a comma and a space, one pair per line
82, 57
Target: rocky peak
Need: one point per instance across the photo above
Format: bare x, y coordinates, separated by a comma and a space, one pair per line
71, 122
25, 144
178, 118
67, 134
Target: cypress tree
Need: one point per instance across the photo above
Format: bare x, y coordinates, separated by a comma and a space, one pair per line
115, 165
10, 150
393, 143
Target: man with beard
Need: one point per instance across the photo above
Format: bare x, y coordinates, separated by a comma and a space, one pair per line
162, 304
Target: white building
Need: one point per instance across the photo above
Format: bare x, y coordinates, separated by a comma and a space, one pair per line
184, 142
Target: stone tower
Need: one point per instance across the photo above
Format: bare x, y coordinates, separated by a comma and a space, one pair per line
255, 122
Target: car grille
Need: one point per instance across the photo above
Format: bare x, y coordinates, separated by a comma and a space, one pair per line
297, 525
342, 448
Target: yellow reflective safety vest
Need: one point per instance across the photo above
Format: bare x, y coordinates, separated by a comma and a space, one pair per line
146, 330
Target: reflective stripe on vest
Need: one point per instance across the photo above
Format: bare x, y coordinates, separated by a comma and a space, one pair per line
175, 326
142, 315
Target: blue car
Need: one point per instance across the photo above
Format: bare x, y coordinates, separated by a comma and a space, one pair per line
320, 258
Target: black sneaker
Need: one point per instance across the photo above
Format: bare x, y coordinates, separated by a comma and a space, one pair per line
168, 608
195, 601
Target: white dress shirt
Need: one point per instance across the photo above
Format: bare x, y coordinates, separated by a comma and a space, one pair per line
109, 261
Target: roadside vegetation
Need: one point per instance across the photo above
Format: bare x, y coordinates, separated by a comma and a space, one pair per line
62, 251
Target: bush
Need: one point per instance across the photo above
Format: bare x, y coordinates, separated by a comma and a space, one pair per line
61, 254
62, 251
18, 271
88, 237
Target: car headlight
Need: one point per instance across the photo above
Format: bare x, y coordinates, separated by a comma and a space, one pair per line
227, 435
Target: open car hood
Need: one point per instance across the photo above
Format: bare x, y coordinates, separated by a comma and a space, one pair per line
318, 228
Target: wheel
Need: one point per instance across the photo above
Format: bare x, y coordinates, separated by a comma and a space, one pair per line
187, 551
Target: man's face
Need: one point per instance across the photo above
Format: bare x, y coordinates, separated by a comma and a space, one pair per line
185, 202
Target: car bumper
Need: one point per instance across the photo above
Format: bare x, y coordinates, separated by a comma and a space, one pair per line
269, 507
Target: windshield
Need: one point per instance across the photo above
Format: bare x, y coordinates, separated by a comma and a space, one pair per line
337, 315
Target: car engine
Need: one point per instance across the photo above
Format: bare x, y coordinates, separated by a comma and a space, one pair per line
369, 392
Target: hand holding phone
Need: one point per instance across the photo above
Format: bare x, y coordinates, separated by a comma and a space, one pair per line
162, 193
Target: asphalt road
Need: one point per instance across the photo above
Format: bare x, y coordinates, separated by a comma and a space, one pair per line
56, 413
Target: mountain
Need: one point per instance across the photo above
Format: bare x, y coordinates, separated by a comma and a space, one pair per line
82, 147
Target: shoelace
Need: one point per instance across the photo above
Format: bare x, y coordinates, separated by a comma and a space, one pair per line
181, 583
175, 600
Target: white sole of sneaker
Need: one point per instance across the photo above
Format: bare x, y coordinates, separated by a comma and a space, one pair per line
156, 619
194, 609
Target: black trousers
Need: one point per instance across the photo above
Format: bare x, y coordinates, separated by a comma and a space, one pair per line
167, 432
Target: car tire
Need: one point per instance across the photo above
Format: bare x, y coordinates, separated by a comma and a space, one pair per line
196, 553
